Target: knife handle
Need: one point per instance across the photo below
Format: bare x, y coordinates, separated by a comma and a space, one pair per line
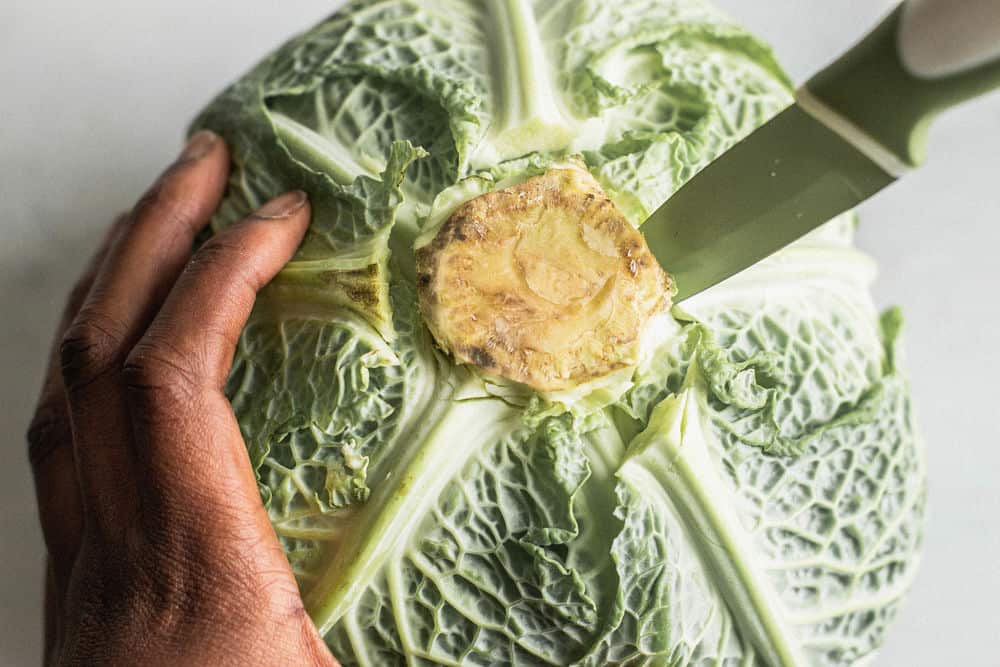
927, 56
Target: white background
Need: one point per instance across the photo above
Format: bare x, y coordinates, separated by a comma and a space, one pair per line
94, 98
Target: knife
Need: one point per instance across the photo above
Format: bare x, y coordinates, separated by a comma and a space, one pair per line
855, 128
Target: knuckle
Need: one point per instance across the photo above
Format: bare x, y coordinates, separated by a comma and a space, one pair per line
89, 349
158, 368
229, 253
221, 249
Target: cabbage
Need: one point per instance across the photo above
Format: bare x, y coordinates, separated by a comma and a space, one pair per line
748, 491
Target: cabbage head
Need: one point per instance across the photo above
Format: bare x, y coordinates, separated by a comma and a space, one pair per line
747, 490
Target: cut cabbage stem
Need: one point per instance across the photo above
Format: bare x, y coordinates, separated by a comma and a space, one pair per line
545, 283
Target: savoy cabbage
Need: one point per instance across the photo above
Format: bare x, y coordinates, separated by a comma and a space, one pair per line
750, 492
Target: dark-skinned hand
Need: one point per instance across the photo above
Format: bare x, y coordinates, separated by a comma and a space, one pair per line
160, 551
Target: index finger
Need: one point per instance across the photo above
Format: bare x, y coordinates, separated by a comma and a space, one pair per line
134, 279
181, 418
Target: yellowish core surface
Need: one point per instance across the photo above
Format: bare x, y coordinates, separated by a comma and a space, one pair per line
544, 283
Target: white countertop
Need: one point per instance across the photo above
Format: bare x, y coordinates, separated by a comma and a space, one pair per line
95, 96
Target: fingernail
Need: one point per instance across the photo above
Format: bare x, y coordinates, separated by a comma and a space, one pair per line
282, 206
198, 146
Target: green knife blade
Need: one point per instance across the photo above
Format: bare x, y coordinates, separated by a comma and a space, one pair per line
787, 178
857, 125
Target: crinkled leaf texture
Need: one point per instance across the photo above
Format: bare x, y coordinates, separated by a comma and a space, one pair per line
755, 496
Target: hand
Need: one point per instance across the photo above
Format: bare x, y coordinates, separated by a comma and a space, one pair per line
160, 551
